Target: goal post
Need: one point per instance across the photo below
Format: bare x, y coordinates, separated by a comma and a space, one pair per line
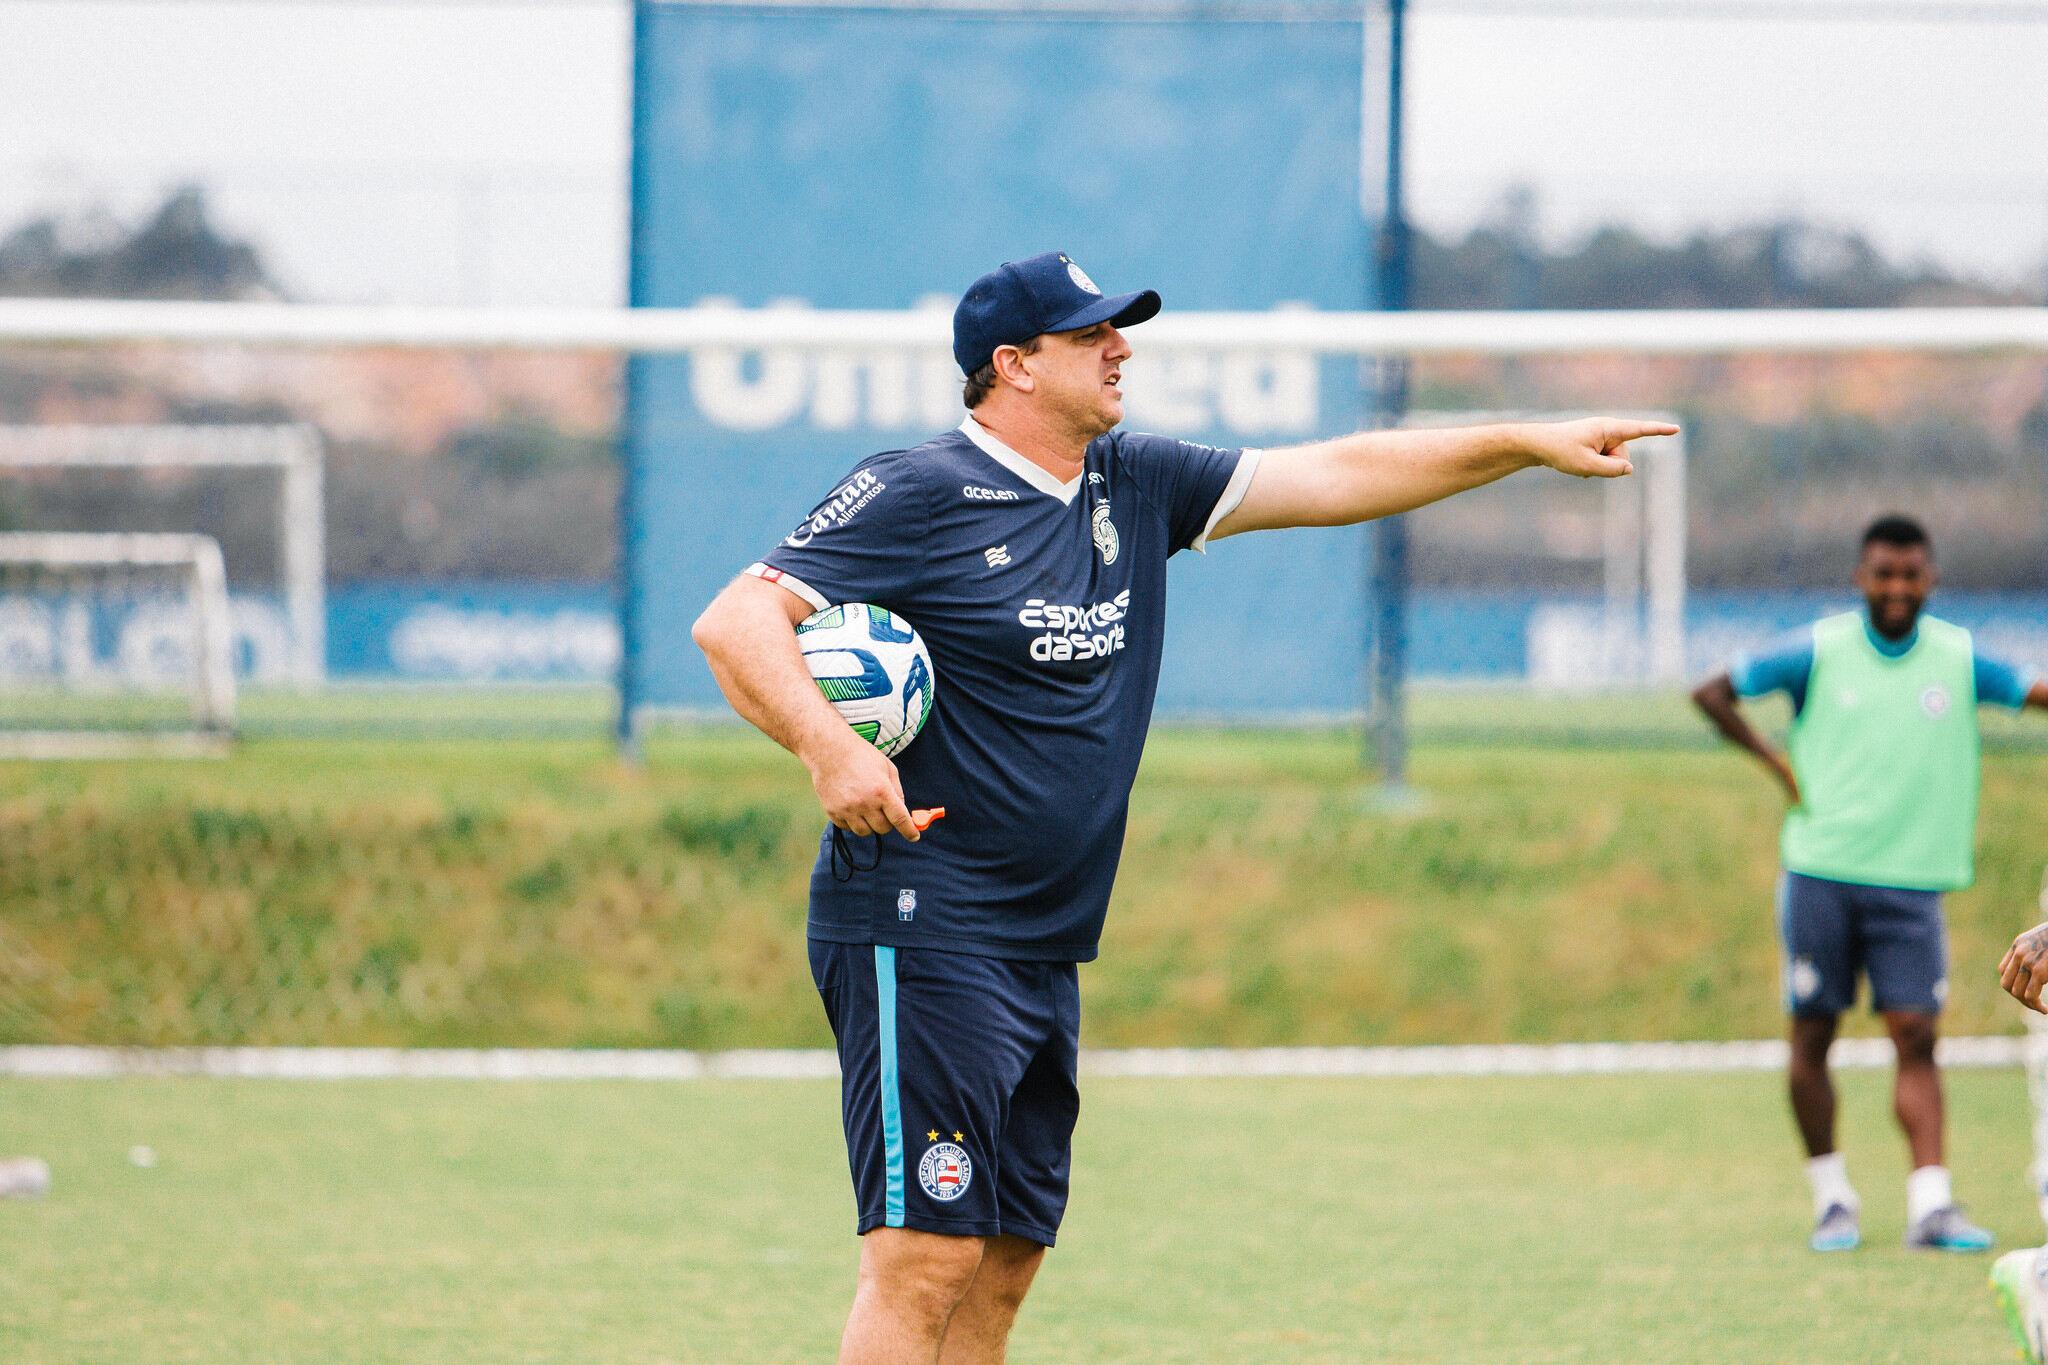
1634, 636
293, 451
114, 644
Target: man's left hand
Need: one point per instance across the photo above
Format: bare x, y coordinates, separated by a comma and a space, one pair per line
1591, 448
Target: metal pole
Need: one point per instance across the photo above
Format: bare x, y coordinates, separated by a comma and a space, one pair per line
632, 443
303, 547
216, 662
1621, 581
1666, 535
1389, 722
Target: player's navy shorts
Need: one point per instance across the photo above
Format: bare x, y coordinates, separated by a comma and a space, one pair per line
1834, 930
957, 1085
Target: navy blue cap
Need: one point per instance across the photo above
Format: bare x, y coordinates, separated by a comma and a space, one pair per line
1019, 300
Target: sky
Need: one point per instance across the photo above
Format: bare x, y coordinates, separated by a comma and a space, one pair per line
474, 151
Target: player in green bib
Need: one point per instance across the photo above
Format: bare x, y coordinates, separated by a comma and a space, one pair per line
1882, 773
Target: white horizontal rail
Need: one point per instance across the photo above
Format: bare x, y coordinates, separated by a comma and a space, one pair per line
528, 1064
1660, 332
67, 549
75, 445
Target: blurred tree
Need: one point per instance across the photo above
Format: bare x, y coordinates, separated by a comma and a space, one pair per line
176, 252
1503, 263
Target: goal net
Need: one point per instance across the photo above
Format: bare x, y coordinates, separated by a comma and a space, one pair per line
113, 644
257, 488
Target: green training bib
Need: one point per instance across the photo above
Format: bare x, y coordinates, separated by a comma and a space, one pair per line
1885, 751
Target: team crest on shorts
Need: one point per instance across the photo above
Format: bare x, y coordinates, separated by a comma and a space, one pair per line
945, 1172
1934, 701
906, 904
1105, 534
1803, 978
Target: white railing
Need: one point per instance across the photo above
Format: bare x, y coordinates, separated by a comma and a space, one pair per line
1672, 332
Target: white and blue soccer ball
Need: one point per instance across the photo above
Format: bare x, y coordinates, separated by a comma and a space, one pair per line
872, 666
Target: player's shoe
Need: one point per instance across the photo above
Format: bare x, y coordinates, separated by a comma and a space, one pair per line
2016, 1276
1946, 1229
1836, 1230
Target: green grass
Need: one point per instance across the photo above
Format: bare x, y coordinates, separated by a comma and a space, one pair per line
1647, 1219
536, 892
360, 711
1438, 713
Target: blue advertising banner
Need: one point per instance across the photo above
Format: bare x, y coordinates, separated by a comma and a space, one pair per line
507, 632
473, 632
566, 632
837, 157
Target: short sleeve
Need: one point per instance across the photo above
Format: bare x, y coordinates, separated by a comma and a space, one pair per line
863, 543
1784, 665
1198, 485
2000, 683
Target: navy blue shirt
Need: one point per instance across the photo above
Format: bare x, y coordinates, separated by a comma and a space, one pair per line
1043, 606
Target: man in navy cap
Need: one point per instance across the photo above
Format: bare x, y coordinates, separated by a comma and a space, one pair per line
1029, 548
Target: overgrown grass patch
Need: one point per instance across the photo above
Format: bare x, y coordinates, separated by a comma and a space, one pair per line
539, 893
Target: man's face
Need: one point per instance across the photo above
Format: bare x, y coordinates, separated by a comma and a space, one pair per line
1895, 580
1078, 374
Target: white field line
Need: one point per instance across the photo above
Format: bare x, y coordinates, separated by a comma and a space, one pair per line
561, 1064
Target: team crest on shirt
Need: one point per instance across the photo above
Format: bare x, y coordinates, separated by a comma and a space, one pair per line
906, 904
1934, 701
1105, 534
945, 1172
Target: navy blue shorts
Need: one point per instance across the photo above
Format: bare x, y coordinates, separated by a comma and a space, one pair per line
1832, 931
957, 1085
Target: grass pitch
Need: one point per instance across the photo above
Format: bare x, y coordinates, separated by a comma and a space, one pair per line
1646, 1219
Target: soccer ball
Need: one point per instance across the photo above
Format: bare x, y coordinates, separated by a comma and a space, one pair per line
873, 668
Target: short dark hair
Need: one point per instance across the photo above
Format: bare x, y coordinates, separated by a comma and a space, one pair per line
1897, 530
983, 381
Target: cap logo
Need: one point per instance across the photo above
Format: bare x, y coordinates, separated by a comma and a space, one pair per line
1081, 280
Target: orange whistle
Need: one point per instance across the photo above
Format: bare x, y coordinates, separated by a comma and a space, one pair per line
925, 819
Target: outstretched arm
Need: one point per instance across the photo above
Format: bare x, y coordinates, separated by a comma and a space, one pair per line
1716, 697
1378, 473
748, 634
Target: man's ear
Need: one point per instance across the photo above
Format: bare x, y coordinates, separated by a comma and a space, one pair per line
1009, 363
